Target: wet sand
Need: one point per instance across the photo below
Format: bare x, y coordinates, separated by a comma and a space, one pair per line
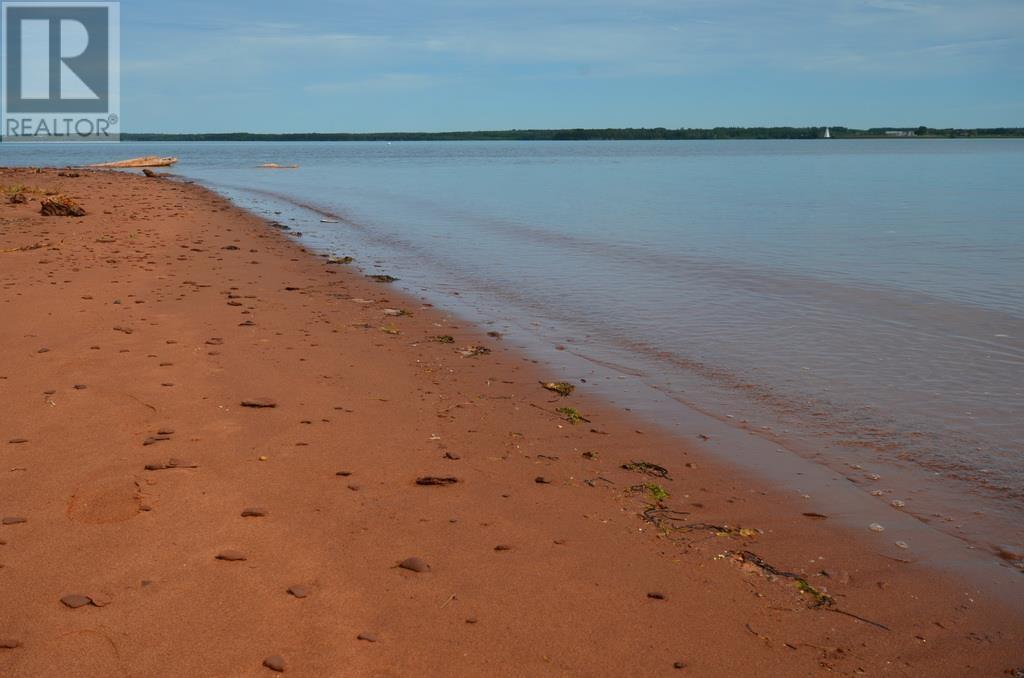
210, 447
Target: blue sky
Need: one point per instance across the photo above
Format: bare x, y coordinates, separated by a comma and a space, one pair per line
340, 65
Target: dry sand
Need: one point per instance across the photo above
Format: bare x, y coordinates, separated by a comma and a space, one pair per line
263, 538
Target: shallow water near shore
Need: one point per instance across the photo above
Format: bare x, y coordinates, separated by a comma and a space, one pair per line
860, 303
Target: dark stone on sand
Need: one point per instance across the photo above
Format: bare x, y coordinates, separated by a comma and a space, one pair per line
292, 289
502, 547
343, 473
43, 350
452, 455
368, 637
17, 441
230, 247
354, 487
414, 565
541, 480
9, 644
298, 591
679, 665
180, 463
247, 323
231, 555
13, 520
165, 432
258, 403
254, 513
275, 663
155, 467
76, 600
657, 595
215, 341
79, 387
149, 173
125, 330
436, 480
471, 620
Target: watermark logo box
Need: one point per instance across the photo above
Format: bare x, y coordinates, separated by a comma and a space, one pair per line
61, 71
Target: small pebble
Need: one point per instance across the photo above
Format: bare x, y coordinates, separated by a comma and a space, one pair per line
368, 637
259, 403
9, 644
679, 665
275, 663
875, 527
452, 455
502, 547
415, 565
231, 555
254, 513
298, 591
76, 600
17, 441
657, 595
541, 480
13, 520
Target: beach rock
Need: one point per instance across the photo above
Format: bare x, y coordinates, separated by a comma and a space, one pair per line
274, 663
298, 591
657, 595
344, 474
368, 637
231, 556
76, 600
60, 206
254, 513
541, 480
414, 565
259, 403
17, 441
679, 665
452, 455
13, 520
149, 173
502, 547
9, 644
43, 350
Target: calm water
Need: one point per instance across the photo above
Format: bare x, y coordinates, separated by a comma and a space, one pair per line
861, 302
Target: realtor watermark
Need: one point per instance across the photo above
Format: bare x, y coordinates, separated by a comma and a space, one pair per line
61, 71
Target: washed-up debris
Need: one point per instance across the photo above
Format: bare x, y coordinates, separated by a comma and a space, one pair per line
647, 468
60, 206
444, 339
473, 351
656, 491
437, 480
572, 415
560, 387
340, 260
383, 278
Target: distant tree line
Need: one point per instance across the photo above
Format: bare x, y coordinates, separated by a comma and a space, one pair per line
610, 134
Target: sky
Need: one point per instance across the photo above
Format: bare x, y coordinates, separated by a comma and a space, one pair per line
414, 65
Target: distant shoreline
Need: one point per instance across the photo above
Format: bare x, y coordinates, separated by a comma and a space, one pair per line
610, 134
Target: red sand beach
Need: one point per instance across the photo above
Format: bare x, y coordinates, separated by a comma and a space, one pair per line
224, 455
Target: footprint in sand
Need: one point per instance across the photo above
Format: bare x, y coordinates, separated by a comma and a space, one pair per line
106, 500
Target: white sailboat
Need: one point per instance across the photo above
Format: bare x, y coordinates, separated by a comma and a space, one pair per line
828, 133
